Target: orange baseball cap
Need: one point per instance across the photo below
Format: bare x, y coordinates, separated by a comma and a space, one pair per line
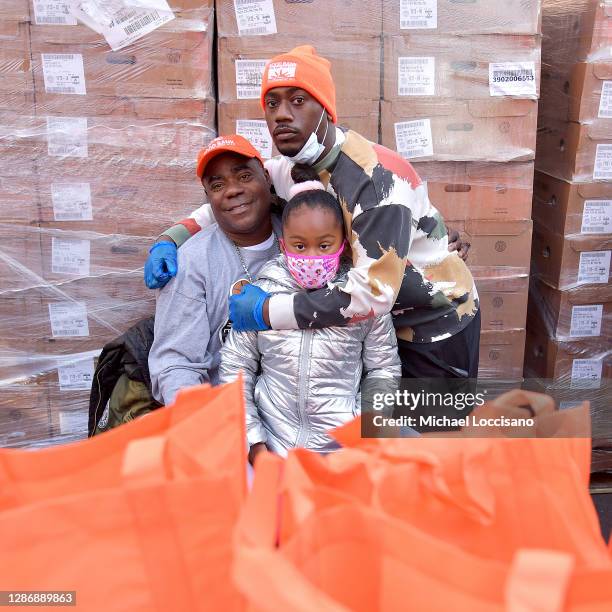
302, 68
225, 144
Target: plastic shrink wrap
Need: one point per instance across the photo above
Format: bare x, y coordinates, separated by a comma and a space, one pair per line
98, 148
569, 329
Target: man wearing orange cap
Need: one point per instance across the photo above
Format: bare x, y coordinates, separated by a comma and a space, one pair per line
400, 246
191, 316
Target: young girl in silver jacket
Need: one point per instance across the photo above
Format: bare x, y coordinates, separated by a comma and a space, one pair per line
300, 384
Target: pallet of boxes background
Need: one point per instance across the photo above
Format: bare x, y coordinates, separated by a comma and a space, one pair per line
459, 100
570, 308
98, 150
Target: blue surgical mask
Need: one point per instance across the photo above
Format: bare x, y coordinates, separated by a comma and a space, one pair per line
312, 149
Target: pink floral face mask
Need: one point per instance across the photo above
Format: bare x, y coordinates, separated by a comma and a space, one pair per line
313, 271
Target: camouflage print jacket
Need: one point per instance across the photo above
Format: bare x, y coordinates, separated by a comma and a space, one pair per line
399, 242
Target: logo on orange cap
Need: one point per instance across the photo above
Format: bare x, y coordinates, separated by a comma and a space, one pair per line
225, 144
280, 71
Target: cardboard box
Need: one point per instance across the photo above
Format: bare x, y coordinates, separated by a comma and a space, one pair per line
501, 248
461, 130
103, 140
18, 197
473, 190
477, 17
163, 64
561, 205
501, 355
420, 64
595, 33
503, 300
21, 101
21, 263
24, 418
580, 364
136, 204
355, 65
14, 10
580, 94
575, 152
583, 312
299, 19
54, 319
567, 261
125, 107
247, 118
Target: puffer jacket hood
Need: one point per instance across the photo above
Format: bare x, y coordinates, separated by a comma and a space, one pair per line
299, 384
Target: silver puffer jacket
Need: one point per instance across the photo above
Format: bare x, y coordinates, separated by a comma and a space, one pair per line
299, 384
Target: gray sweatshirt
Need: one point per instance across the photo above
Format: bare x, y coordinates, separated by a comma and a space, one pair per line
192, 309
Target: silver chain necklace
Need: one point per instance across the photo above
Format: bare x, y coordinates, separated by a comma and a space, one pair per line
243, 262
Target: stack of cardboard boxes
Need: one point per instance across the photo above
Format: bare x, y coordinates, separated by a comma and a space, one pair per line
98, 153
572, 206
460, 90
570, 308
347, 32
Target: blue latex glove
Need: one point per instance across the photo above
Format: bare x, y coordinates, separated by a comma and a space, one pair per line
161, 265
246, 309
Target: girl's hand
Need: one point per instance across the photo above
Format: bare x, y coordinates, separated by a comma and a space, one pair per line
255, 450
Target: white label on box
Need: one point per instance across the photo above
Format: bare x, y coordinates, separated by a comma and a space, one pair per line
74, 422
597, 217
47, 12
605, 102
64, 73
249, 75
256, 131
586, 321
416, 76
418, 14
76, 376
131, 23
603, 163
513, 79
594, 267
69, 319
255, 17
413, 138
67, 137
70, 256
586, 373
71, 201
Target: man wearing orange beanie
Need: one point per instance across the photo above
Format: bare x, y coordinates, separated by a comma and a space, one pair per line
400, 246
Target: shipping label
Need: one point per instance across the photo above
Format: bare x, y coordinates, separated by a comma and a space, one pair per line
74, 422
416, 76
70, 256
76, 376
413, 138
47, 12
255, 17
69, 320
597, 217
67, 137
71, 201
131, 23
249, 76
418, 14
586, 321
594, 267
513, 79
605, 102
586, 373
603, 163
256, 131
64, 73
